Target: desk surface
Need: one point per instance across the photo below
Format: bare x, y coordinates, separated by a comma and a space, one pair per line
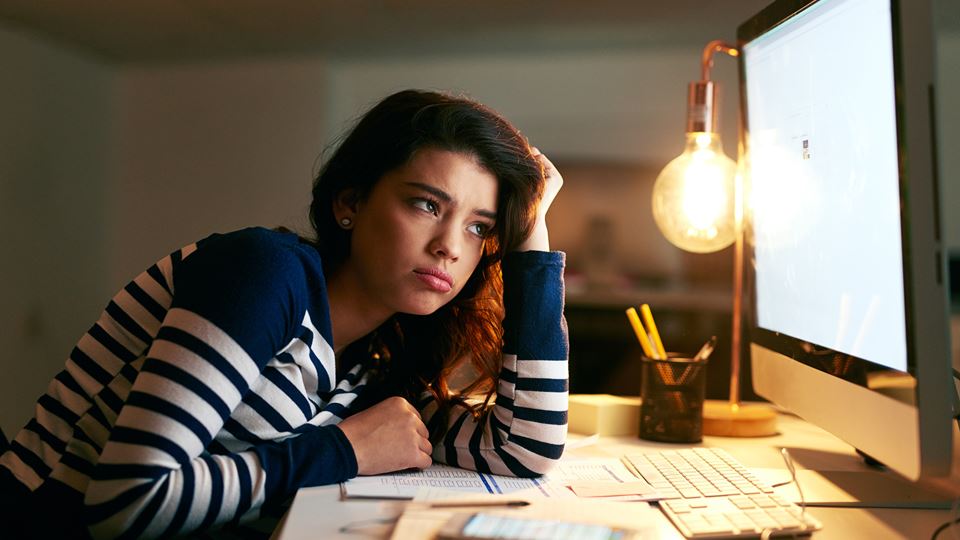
320, 513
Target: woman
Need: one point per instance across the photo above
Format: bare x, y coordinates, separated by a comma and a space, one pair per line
250, 364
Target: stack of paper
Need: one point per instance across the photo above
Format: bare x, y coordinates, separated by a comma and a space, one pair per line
601, 491
570, 479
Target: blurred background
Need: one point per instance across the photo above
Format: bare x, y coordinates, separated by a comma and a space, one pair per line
128, 129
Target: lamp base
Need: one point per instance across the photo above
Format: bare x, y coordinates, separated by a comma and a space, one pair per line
724, 419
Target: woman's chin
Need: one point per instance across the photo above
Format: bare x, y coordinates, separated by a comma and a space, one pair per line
423, 308
421, 312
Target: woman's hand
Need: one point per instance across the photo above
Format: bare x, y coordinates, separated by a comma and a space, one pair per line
390, 436
539, 239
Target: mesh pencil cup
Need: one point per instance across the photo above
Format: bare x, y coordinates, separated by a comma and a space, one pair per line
672, 393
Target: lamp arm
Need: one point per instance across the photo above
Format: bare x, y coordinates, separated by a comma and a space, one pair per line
706, 64
735, 346
715, 46
701, 95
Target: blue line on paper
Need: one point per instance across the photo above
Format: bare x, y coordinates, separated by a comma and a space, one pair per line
485, 483
495, 486
540, 487
613, 474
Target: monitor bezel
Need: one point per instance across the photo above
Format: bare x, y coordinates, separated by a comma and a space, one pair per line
786, 370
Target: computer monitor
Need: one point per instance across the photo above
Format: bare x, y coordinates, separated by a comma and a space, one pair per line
845, 272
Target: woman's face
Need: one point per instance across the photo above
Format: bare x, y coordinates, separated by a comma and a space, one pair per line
419, 235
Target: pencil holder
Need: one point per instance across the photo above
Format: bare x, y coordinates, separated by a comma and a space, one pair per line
672, 393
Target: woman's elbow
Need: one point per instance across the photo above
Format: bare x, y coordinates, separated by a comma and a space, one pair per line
539, 462
108, 509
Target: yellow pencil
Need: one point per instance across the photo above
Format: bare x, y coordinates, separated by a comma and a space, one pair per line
641, 333
652, 326
666, 372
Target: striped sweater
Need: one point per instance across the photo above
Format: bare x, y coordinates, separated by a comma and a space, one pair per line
206, 393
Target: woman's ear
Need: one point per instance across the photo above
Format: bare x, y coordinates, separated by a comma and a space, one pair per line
346, 204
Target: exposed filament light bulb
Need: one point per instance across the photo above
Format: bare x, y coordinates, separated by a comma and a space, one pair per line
693, 197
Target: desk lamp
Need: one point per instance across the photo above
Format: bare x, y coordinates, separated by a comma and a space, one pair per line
697, 204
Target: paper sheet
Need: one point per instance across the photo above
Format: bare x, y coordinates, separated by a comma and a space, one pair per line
404, 485
607, 478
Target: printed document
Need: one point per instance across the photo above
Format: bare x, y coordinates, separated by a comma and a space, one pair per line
556, 484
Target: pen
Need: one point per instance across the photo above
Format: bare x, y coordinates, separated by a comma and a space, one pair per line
464, 504
702, 355
707, 349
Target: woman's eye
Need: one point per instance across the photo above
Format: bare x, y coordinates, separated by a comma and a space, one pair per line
480, 229
427, 206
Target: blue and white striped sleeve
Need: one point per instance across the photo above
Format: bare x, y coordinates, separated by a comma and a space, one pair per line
524, 433
235, 303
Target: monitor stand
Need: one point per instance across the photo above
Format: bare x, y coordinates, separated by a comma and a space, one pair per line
863, 489
869, 486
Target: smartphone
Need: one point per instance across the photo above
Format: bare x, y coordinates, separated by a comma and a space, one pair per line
481, 526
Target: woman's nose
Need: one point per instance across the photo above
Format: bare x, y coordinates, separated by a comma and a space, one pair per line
446, 243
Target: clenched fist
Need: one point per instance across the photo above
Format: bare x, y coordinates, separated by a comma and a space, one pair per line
390, 436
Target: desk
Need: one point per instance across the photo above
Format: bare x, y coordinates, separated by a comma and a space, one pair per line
319, 512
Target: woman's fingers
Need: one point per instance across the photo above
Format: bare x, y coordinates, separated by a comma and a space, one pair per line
422, 430
553, 181
539, 238
425, 446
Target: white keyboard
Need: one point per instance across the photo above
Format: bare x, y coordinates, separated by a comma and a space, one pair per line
697, 472
709, 494
739, 516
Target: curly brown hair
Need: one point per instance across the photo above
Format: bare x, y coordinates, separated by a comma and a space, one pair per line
411, 354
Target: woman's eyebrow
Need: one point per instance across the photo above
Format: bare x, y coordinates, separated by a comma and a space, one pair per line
433, 190
445, 197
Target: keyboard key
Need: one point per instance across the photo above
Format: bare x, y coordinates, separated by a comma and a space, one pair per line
709, 528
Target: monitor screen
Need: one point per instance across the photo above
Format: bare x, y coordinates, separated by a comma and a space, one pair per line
844, 272
826, 195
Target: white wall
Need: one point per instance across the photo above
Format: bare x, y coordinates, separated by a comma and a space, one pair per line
56, 110
210, 148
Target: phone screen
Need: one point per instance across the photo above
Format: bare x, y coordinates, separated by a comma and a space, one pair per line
505, 527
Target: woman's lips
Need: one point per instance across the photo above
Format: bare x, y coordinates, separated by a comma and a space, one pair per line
435, 278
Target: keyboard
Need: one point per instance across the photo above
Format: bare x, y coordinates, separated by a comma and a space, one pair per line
697, 472
739, 516
707, 493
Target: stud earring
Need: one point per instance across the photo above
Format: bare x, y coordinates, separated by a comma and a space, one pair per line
346, 222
